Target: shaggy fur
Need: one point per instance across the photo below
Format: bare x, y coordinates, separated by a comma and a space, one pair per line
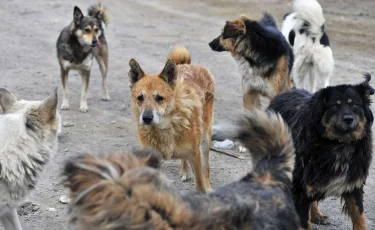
304, 29
76, 46
28, 139
174, 112
263, 56
333, 141
125, 191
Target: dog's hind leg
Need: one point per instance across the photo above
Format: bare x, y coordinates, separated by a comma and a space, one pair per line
184, 170
206, 139
303, 210
313, 76
102, 58
196, 164
354, 208
10, 220
64, 80
251, 100
85, 84
317, 216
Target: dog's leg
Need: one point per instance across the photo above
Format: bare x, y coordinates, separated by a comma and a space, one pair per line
196, 164
85, 84
317, 216
303, 210
354, 208
206, 139
251, 100
10, 220
102, 59
64, 80
184, 170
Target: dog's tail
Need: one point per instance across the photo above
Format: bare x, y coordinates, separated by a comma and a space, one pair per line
100, 12
268, 139
267, 20
180, 55
310, 14
123, 191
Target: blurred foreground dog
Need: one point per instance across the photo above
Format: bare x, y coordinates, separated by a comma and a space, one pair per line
126, 191
174, 112
76, 46
333, 141
28, 139
304, 29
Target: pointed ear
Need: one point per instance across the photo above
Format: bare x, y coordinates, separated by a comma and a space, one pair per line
47, 110
7, 99
77, 15
244, 17
365, 87
234, 29
135, 72
169, 73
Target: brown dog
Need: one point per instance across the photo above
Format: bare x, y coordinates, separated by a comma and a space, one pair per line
174, 112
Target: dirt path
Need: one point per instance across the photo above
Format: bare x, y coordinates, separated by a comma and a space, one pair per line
146, 30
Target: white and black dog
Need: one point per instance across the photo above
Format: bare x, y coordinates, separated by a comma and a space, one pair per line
304, 30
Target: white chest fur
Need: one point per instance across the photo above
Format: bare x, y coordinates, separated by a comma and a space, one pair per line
85, 65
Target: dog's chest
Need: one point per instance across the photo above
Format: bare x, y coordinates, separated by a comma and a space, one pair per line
84, 65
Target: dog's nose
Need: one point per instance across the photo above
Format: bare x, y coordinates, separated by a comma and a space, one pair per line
210, 44
147, 118
94, 42
348, 119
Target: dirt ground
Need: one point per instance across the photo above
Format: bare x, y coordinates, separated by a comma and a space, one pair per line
146, 30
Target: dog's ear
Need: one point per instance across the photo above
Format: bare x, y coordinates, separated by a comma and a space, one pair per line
317, 106
169, 73
365, 89
7, 99
135, 72
234, 29
47, 109
149, 156
77, 15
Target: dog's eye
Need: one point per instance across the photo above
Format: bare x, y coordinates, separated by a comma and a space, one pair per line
96, 30
159, 98
87, 30
140, 98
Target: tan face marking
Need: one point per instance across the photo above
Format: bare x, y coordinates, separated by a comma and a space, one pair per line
339, 102
350, 101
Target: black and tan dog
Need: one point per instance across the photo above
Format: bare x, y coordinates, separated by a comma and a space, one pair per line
125, 191
333, 141
263, 55
76, 46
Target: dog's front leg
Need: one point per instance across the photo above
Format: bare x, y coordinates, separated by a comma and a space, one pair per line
353, 206
303, 210
85, 84
10, 220
196, 164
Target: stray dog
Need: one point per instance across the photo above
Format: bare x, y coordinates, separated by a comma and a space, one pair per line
76, 46
174, 112
304, 29
125, 191
333, 141
28, 139
264, 57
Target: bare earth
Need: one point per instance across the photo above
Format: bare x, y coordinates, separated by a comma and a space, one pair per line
146, 30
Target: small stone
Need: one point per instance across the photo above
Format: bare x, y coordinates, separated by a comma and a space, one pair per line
51, 209
66, 150
113, 122
227, 144
67, 124
64, 199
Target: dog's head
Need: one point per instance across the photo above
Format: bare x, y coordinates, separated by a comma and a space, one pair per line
343, 111
87, 29
232, 33
152, 94
38, 115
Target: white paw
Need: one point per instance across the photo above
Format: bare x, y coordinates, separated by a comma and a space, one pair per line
106, 98
65, 105
185, 176
83, 108
242, 149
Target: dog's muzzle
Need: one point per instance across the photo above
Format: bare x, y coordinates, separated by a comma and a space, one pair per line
216, 46
147, 118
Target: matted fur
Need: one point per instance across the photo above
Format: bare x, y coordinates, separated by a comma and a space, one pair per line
333, 140
174, 112
122, 191
28, 140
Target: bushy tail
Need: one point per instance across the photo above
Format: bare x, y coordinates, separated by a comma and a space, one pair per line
268, 20
180, 55
268, 139
310, 11
123, 191
100, 12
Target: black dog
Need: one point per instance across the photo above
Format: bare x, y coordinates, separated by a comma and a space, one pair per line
332, 135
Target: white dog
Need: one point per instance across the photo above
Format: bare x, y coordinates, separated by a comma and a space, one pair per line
304, 30
28, 139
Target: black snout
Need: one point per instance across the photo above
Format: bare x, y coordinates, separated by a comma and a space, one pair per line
348, 119
216, 46
147, 117
94, 42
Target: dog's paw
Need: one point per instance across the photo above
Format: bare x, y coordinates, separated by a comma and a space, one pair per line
320, 219
106, 98
83, 109
241, 149
64, 105
185, 176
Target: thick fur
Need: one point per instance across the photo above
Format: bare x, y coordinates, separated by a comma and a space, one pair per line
28, 139
305, 31
333, 141
122, 191
76, 46
264, 57
174, 112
